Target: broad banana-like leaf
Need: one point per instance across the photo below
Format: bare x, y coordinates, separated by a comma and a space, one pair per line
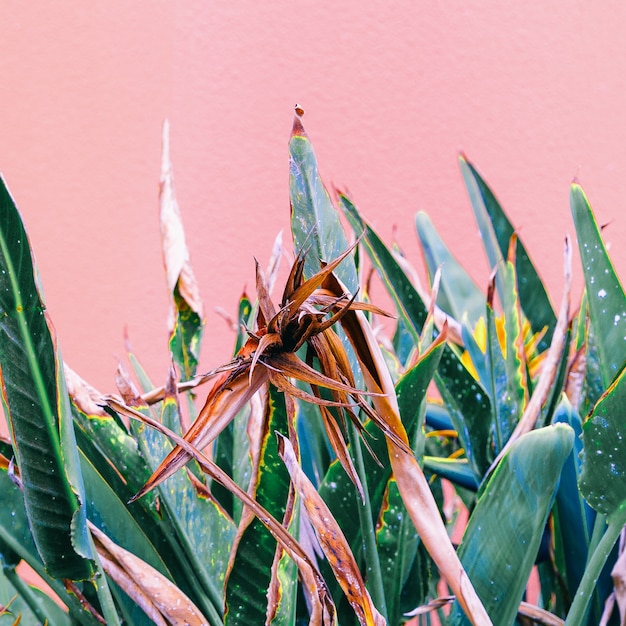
605, 294
186, 314
251, 570
314, 221
503, 534
16, 537
496, 232
458, 293
38, 418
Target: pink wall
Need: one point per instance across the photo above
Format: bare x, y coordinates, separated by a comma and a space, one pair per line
535, 95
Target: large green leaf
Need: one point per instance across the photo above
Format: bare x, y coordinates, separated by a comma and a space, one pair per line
314, 221
251, 571
458, 293
602, 483
496, 232
504, 532
29, 388
605, 294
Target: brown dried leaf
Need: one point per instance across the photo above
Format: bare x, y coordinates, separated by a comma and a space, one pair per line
331, 539
226, 399
159, 598
314, 587
175, 253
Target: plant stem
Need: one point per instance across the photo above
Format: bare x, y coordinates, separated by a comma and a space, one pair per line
578, 610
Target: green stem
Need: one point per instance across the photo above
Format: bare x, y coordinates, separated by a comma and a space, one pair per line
372, 563
578, 610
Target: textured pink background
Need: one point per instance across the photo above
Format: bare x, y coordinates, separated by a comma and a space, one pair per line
534, 95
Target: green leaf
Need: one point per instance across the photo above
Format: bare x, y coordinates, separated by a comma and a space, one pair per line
574, 519
603, 474
251, 572
397, 543
29, 377
456, 471
605, 294
496, 232
504, 532
458, 293
16, 536
314, 221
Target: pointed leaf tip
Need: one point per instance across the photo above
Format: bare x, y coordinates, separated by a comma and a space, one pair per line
298, 128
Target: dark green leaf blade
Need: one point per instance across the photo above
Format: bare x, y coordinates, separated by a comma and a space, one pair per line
607, 302
251, 571
29, 389
496, 232
503, 534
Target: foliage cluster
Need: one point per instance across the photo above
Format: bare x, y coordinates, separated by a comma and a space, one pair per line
321, 479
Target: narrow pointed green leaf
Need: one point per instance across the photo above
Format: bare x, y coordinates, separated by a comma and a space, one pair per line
250, 575
607, 302
458, 293
314, 221
509, 389
503, 534
29, 389
408, 302
496, 231
603, 475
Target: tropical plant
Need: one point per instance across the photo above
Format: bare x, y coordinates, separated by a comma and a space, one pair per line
322, 478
